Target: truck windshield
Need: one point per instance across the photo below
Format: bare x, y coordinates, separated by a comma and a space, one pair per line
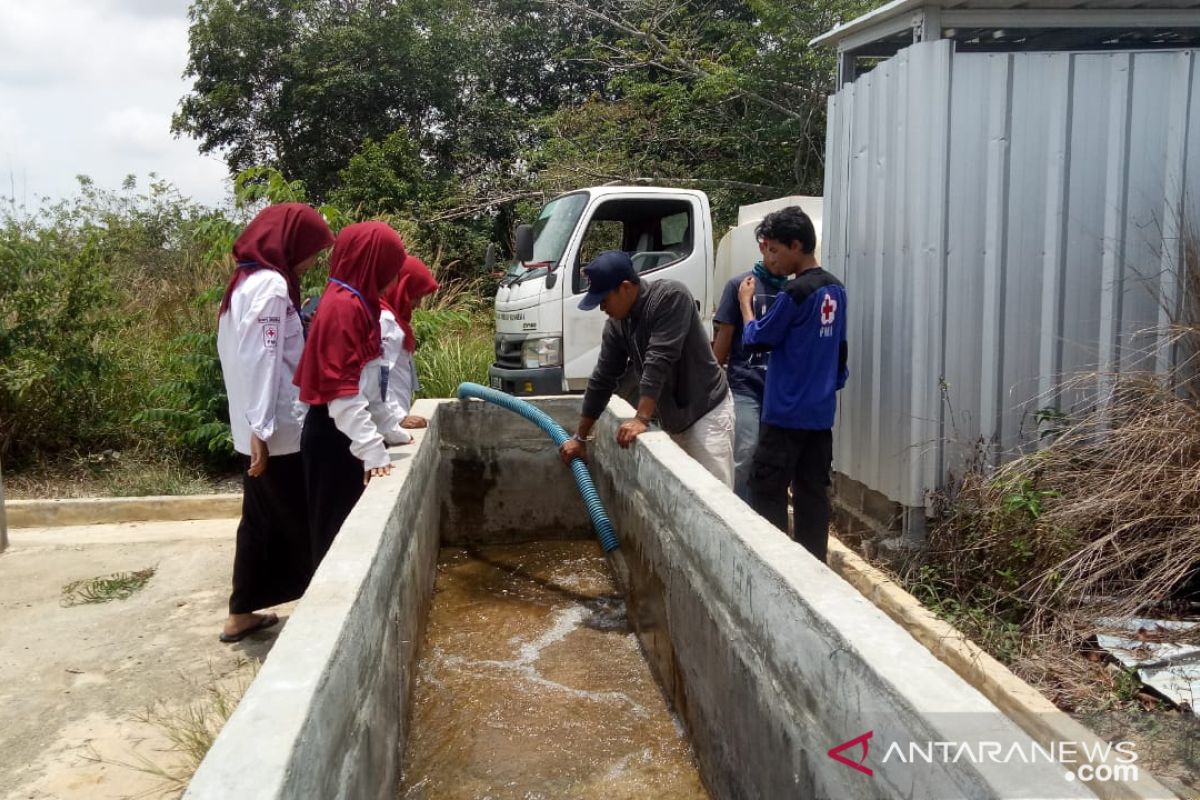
551, 232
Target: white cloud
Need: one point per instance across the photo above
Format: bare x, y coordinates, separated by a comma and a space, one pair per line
137, 132
89, 86
150, 8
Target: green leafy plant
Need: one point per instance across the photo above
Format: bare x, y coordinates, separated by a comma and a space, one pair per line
192, 408
56, 329
1025, 498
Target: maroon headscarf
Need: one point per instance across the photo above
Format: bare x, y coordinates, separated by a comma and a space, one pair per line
345, 332
416, 281
278, 239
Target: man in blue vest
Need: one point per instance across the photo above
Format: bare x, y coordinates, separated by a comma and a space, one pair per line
746, 369
805, 331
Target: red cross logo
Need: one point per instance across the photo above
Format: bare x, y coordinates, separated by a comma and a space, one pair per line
270, 335
828, 310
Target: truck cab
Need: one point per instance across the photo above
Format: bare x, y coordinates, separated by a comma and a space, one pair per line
544, 343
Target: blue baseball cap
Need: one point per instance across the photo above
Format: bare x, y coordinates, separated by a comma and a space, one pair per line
606, 272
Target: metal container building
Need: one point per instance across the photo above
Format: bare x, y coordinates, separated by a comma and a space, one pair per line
1010, 190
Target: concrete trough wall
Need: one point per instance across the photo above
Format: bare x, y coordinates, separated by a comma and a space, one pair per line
498, 481
326, 716
322, 717
770, 658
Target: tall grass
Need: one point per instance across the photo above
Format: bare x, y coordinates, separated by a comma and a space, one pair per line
442, 367
455, 341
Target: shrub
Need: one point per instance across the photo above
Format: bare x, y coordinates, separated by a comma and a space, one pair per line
56, 348
93, 293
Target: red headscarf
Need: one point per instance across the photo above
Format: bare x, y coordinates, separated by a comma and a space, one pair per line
345, 332
278, 239
416, 281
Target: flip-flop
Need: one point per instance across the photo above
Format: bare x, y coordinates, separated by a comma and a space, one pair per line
264, 622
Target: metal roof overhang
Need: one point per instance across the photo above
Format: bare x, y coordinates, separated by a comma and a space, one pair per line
1147, 23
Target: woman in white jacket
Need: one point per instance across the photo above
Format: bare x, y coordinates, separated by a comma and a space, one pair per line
340, 376
399, 301
259, 340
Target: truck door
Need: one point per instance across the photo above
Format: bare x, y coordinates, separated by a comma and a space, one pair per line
666, 236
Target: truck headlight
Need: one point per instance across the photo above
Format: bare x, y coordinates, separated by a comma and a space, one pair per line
542, 353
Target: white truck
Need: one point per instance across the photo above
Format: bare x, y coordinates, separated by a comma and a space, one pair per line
544, 343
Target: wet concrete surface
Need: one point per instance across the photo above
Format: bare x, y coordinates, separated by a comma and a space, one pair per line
531, 685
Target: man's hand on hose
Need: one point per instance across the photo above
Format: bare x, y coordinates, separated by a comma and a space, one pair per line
571, 449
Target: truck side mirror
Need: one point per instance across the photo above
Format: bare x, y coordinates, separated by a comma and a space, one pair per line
489, 260
524, 243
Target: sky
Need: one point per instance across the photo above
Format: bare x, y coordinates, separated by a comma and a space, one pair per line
89, 87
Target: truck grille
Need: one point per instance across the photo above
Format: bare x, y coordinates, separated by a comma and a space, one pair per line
508, 351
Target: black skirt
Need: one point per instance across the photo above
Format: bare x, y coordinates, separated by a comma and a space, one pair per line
333, 478
273, 562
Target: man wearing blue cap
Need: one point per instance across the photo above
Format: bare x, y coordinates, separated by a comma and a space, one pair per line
656, 328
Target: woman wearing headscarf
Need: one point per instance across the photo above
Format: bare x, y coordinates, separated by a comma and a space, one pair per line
259, 341
339, 377
416, 282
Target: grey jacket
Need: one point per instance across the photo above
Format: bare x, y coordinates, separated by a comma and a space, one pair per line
665, 340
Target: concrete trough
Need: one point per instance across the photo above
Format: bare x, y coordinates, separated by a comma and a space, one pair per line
770, 660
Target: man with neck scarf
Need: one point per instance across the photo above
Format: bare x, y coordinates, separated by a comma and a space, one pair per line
399, 343
259, 340
746, 369
339, 377
805, 329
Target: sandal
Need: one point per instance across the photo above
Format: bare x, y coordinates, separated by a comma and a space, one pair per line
265, 621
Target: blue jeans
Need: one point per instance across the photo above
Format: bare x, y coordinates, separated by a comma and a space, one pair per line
747, 411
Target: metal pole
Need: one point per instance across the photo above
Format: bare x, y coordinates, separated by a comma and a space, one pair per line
3, 518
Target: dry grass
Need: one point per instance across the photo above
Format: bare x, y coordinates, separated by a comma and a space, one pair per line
190, 729
139, 472
1102, 521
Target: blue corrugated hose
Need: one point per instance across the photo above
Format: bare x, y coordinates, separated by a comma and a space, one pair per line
583, 478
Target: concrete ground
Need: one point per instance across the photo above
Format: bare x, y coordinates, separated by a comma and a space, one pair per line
76, 682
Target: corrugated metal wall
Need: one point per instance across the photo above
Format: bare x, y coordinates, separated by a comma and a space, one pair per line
1000, 221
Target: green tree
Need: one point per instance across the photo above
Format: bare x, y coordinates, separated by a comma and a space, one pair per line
735, 94
301, 85
448, 113
388, 177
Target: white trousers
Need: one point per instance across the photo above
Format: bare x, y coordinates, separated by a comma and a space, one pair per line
710, 441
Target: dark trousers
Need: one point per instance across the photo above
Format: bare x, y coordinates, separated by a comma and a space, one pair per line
802, 460
333, 478
272, 563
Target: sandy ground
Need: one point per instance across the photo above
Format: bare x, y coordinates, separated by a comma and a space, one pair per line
74, 680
